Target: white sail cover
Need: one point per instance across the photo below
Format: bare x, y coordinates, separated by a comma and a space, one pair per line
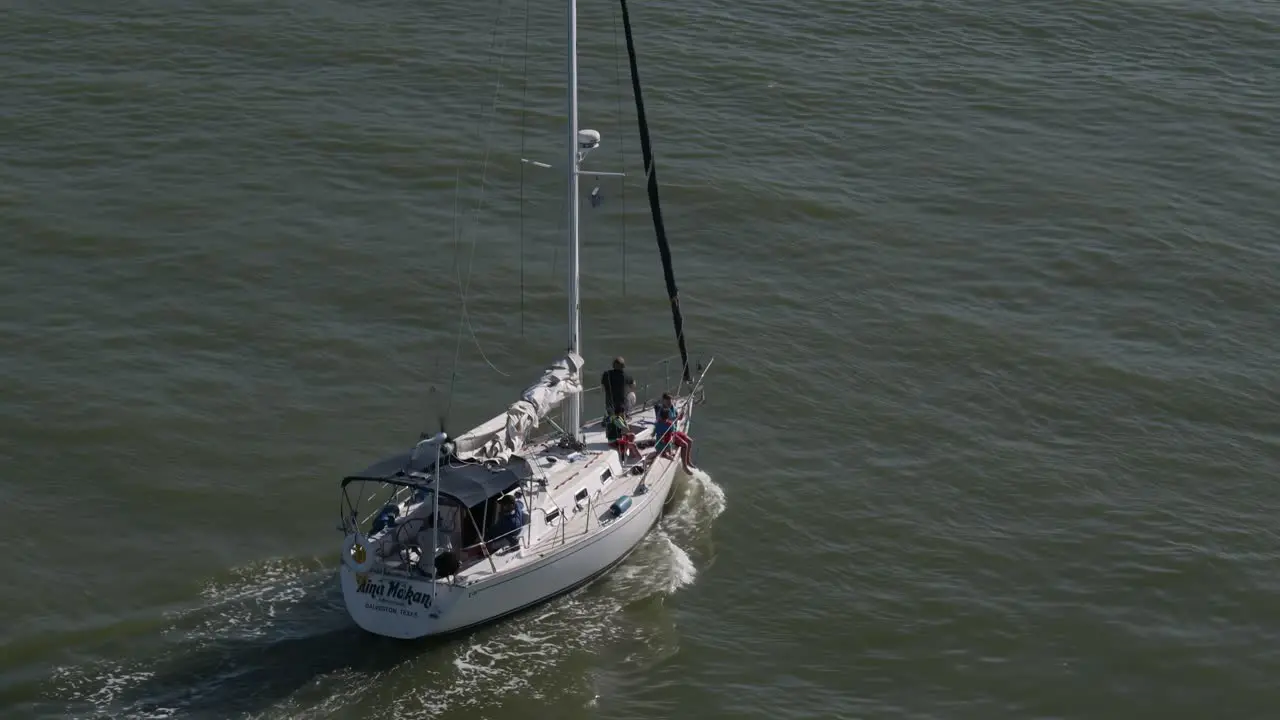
503, 436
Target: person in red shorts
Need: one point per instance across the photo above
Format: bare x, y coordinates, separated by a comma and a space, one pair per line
621, 438
666, 434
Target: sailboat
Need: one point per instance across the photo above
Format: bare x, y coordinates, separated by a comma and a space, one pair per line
423, 554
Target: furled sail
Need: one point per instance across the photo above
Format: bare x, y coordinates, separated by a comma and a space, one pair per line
503, 436
651, 174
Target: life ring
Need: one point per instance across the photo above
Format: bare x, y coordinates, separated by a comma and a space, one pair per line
356, 553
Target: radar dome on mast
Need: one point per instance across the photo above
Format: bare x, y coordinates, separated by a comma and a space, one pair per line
588, 139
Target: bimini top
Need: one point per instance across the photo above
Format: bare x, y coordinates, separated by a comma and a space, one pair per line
469, 483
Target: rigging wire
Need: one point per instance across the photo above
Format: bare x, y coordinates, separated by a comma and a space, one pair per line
496, 52
488, 145
457, 351
524, 94
480, 201
622, 145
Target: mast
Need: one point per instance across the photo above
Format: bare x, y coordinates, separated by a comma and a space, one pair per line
575, 322
435, 519
651, 173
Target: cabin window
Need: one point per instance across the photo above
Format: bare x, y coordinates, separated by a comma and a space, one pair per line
580, 498
553, 516
606, 475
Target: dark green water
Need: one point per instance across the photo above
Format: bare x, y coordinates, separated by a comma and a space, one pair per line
994, 426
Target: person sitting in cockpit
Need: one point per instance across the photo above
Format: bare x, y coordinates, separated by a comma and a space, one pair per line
512, 516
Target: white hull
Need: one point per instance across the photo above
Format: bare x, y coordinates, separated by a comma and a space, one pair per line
403, 607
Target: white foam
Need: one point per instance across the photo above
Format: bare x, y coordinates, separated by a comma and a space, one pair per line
240, 607
681, 570
700, 503
243, 605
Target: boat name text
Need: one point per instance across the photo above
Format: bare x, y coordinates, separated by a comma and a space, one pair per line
395, 591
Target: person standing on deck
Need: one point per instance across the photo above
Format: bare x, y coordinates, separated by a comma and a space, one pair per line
616, 383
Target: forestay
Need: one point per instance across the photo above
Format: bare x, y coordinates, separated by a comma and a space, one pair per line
503, 436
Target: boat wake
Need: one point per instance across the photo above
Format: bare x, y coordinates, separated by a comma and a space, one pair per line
549, 654
257, 636
272, 640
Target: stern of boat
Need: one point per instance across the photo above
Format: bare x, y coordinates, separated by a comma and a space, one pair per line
396, 606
